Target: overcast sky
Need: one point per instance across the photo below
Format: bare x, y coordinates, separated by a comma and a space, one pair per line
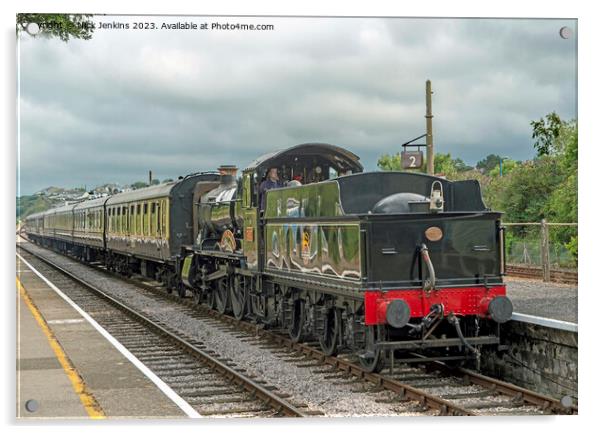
176, 101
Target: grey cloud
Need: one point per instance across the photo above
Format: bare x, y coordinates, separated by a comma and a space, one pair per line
124, 102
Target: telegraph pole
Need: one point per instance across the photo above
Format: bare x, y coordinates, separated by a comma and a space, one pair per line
430, 155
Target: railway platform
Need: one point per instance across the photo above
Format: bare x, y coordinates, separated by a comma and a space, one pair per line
66, 368
547, 300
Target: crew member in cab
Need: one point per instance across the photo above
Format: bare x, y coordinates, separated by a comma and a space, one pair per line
271, 181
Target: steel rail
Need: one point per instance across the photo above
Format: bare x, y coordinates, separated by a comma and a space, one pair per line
255, 389
524, 271
547, 403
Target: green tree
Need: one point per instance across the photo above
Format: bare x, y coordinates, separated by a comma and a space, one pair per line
489, 162
547, 186
444, 165
389, 162
546, 132
562, 205
63, 26
139, 184
525, 194
461, 166
507, 165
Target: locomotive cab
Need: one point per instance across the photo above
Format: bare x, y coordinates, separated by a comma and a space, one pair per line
300, 165
306, 164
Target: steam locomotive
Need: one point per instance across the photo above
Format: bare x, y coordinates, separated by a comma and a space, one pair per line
387, 265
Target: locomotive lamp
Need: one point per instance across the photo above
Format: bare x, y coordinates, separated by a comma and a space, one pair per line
437, 201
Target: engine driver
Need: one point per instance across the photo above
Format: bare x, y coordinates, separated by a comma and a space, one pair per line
272, 181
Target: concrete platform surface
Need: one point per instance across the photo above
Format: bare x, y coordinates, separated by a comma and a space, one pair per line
109, 384
545, 299
40, 376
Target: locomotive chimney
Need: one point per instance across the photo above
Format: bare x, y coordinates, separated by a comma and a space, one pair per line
227, 174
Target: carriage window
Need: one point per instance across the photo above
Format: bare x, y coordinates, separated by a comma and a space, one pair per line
132, 228
145, 220
164, 217
153, 224
118, 220
158, 218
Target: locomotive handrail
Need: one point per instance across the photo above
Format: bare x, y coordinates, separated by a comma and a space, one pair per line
432, 280
502, 250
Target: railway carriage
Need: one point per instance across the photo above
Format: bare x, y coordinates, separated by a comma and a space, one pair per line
58, 227
34, 226
146, 228
88, 229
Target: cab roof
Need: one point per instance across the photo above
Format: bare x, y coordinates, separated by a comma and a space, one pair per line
336, 156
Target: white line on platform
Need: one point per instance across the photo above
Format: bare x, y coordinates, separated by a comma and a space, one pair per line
545, 322
66, 321
168, 391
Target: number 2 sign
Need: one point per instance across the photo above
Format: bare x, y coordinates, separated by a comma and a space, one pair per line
412, 160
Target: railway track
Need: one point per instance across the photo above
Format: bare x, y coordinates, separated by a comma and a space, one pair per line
432, 385
211, 384
560, 276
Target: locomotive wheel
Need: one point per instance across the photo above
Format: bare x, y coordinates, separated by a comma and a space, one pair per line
295, 330
371, 359
330, 337
222, 295
239, 296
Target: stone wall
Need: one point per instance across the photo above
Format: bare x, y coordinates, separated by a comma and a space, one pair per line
540, 358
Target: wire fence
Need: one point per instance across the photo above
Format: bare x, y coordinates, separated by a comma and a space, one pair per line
545, 245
